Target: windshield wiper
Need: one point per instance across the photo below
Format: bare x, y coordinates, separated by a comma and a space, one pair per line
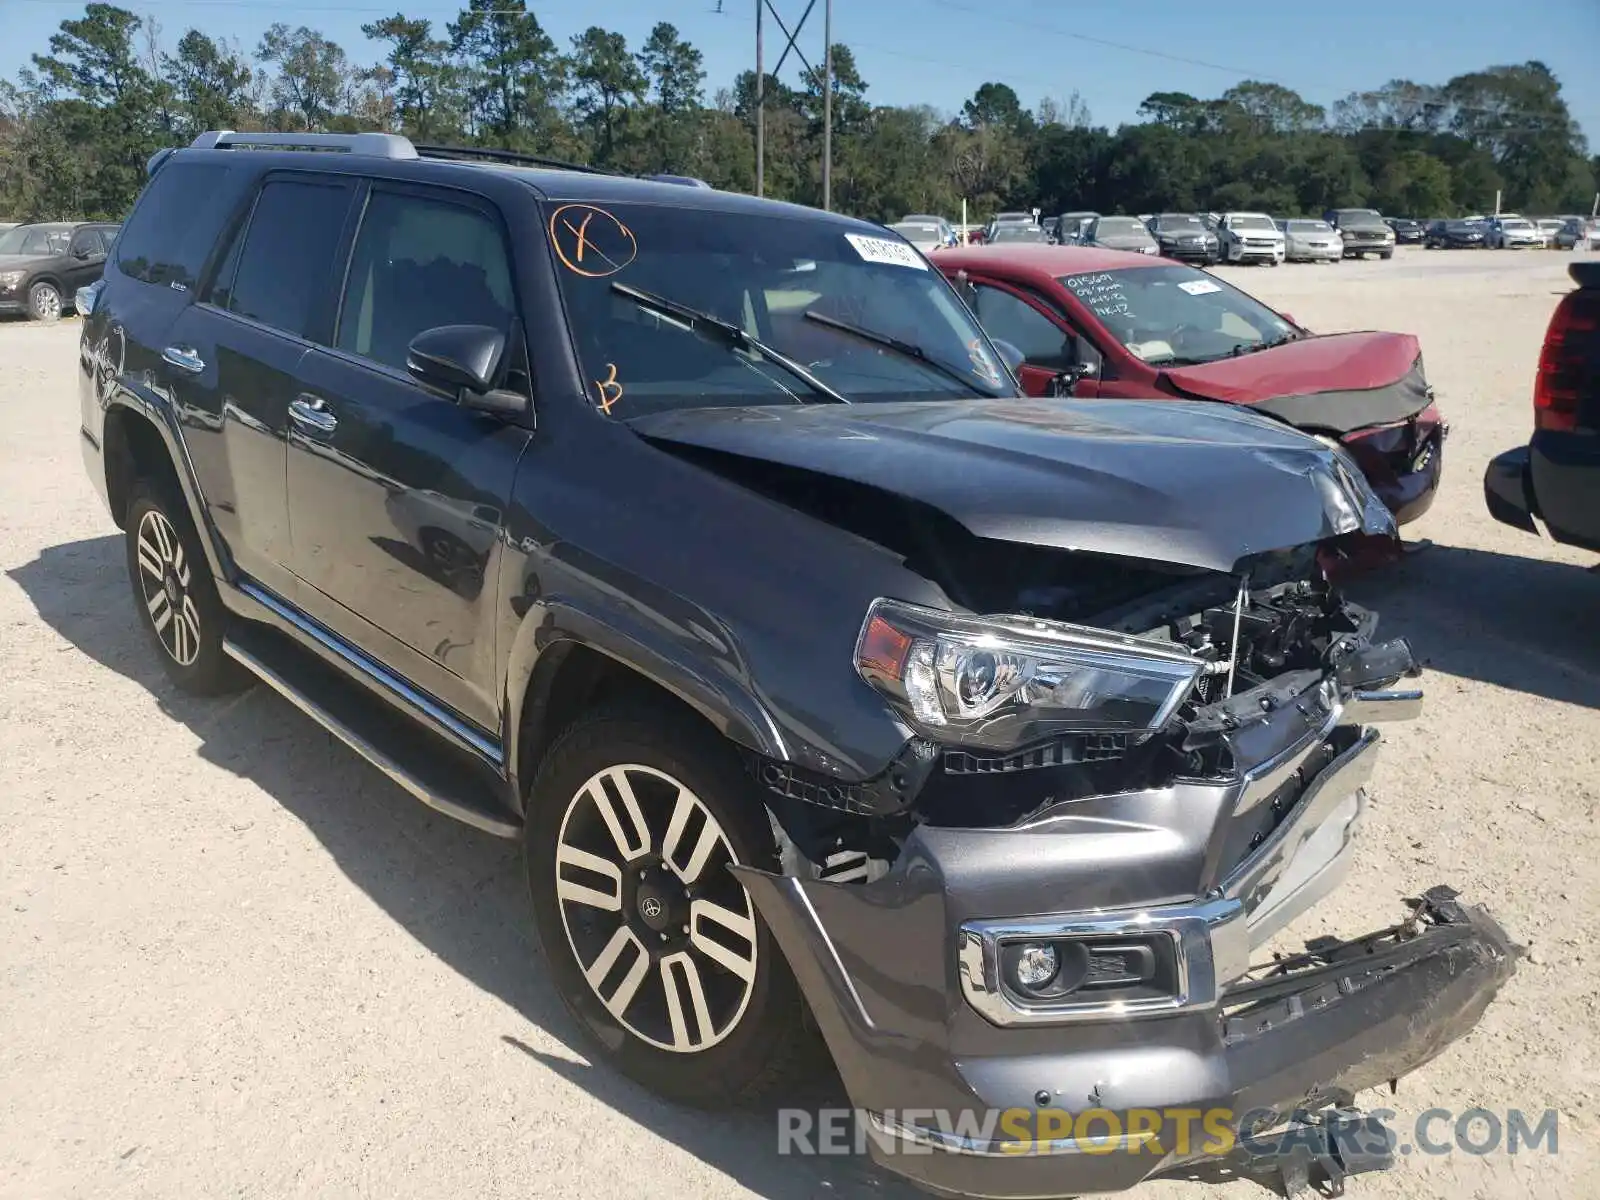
726, 334
908, 349
1257, 347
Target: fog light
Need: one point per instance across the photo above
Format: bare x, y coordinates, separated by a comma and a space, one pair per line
1036, 965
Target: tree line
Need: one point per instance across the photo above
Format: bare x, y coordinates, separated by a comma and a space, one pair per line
77, 127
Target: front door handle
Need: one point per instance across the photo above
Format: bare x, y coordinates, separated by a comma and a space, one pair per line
186, 358
311, 414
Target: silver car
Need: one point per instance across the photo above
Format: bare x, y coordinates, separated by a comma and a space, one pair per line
1120, 233
1308, 239
1510, 232
1576, 233
924, 235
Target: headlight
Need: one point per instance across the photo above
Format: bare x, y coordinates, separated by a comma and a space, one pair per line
10, 279
1004, 681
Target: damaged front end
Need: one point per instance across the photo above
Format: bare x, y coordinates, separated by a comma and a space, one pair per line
1051, 899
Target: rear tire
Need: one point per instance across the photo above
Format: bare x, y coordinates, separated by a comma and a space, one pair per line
175, 595
710, 1021
44, 303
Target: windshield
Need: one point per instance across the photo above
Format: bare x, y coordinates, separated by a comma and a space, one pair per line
918, 235
1310, 227
764, 274
35, 239
1250, 221
1120, 227
1015, 231
1174, 315
1179, 221
1360, 218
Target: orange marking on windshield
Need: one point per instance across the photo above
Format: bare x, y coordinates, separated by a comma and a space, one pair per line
591, 247
610, 390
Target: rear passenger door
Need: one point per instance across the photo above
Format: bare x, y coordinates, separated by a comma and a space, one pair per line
396, 494
235, 357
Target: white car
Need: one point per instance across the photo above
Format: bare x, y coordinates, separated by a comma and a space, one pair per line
1510, 232
1548, 228
1250, 237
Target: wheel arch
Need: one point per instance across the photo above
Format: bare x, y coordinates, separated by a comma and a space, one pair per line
53, 281
571, 676
139, 442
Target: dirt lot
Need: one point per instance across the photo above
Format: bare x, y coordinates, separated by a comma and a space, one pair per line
236, 961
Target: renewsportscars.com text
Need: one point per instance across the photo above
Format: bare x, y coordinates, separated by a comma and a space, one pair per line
1185, 1132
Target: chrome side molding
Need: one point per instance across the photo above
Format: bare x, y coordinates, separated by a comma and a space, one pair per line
1375, 707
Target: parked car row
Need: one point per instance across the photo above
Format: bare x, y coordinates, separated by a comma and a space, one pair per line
1508, 231
847, 698
42, 265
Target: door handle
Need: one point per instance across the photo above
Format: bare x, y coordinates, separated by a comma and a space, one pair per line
311, 414
185, 358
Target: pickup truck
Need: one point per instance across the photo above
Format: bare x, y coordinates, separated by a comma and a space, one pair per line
1555, 478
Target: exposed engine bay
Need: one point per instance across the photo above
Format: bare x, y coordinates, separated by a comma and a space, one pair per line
1267, 636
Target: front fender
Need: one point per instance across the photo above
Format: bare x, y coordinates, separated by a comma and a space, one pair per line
697, 661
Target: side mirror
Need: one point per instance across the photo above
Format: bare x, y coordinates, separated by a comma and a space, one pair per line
1010, 355
1287, 317
83, 254
464, 360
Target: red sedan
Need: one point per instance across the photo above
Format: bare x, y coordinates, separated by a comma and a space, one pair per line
1109, 323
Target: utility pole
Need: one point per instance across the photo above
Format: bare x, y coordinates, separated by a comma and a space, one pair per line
761, 109
827, 105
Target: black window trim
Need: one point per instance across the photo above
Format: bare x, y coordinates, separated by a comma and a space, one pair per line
516, 337
1052, 312
238, 230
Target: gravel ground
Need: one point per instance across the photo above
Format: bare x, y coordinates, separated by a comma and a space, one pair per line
236, 961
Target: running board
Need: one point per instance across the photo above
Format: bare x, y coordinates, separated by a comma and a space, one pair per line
441, 780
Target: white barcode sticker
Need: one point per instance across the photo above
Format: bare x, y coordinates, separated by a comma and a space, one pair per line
1200, 287
886, 250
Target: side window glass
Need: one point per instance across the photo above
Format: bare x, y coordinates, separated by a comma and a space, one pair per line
1006, 317
417, 264
84, 244
287, 257
174, 224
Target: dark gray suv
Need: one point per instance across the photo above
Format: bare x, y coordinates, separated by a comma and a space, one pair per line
833, 689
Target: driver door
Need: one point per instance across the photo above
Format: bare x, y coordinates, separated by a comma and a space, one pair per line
1048, 343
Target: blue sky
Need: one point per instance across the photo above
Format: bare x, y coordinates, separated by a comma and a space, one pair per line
938, 51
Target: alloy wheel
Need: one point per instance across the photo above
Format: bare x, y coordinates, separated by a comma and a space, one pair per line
47, 304
664, 934
164, 581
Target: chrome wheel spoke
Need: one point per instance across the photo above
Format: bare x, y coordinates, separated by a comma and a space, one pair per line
149, 557
608, 900
680, 980
687, 808
623, 946
741, 925
628, 828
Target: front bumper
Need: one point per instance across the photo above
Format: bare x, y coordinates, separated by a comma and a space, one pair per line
1366, 247
901, 972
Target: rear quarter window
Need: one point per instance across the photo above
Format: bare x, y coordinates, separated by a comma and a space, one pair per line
174, 225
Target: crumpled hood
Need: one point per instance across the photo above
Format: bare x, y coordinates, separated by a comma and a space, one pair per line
1189, 484
1336, 382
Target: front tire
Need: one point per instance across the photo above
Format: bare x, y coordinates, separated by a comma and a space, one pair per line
655, 946
175, 595
44, 303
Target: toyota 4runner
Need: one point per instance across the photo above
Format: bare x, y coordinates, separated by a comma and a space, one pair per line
705, 544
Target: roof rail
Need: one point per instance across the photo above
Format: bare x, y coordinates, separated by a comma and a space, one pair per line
508, 156
375, 145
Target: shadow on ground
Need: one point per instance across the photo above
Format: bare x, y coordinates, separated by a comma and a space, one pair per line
459, 892
1524, 624
1515, 622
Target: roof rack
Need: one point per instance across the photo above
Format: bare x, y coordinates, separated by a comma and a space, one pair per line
374, 145
508, 156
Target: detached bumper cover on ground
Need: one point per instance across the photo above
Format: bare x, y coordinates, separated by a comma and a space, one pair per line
907, 974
